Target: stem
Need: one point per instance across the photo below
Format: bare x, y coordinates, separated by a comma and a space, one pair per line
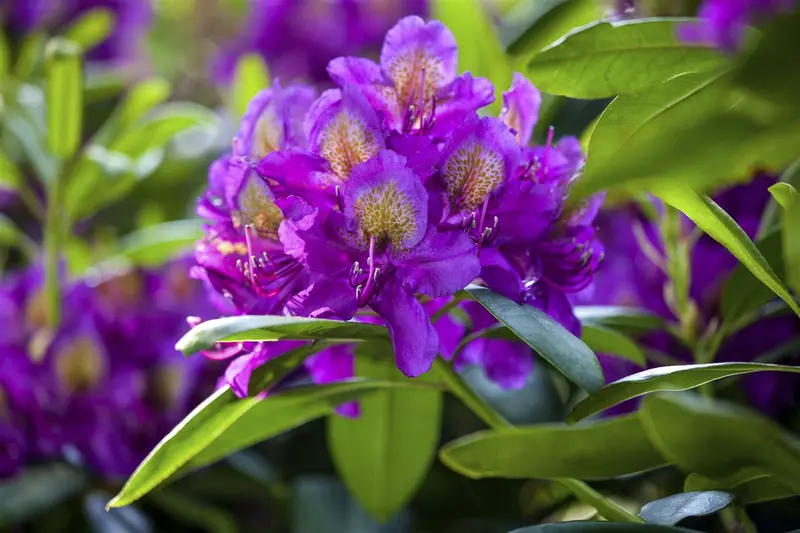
495, 420
52, 243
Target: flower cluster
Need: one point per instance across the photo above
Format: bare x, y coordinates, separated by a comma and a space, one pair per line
106, 384
279, 31
385, 196
634, 276
723, 23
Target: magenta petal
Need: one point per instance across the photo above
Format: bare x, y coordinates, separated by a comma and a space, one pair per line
525, 211
461, 99
331, 365
521, 108
500, 275
298, 172
314, 241
355, 70
414, 338
328, 298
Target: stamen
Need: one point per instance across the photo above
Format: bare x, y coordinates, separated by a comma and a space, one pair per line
550, 131
248, 238
339, 200
237, 144
363, 296
422, 92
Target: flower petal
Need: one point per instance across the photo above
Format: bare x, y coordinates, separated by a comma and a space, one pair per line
334, 364
328, 298
521, 108
500, 275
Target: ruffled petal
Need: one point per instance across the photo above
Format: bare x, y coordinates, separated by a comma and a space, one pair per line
521, 108
500, 275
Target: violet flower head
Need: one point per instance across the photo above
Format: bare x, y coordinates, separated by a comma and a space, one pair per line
278, 30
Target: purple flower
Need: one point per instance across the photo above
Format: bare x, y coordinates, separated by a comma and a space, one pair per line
723, 23
279, 31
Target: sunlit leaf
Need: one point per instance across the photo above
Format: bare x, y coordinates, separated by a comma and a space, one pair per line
91, 28
64, 97
250, 77
156, 244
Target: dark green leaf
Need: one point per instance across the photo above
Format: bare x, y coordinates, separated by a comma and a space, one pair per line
559, 20
567, 353
770, 70
672, 509
719, 439
555, 451
36, 490
156, 244
715, 222
91, 28
273, 328
203, 516
383, 455
64, 96
223, 424
628, 319
601, 527
610, 58
743, 294
667, 378
479, 49
605, 340
749, 485
251, 76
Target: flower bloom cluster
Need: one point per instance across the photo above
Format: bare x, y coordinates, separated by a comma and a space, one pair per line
634, 276
279, 31
381, 198
106, 384
723, 23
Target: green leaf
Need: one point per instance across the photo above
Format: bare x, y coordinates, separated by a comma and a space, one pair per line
142, 98
203, 516
601, 527
770, 69
604, 340
64, 97
154, 245
715, 222
251, 76
567, 353
627, 319
743, 294
479, 49
551, 451
5, 58
91, 28
718, 439
610, 58
223, 424
273, 328
749, 485
36, 490
666, 378
769, 220
559, 20
383, 455
672, 509
784, 194
790, 220
10, 177
30, 54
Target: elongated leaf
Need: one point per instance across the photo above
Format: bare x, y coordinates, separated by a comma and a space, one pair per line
223, 424
628, 319
273, 328
156, 244
770, 217
251, 76
91, 28
713, 220
717, 439
668, 378
605, 340
36, 490
749, 485
141, 98
672, 509
554, 451
790, 220
9, 175
383, 455
64, 95
743, 293
601, 527
784, 194
610, 58
567, 353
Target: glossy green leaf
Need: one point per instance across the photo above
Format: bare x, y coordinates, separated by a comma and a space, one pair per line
749, 485
771, 215
91, 28
715, 222
672, 509
719, 439
383, 455
743, 294
552, 451
64, 97
250, 77
790, 222
37, 489
559, 20
223, 424
628, 319
610, 58
567, 353
667, 378
154, 245
273, 328
479, 49
784, 194
605, 340
601, 527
